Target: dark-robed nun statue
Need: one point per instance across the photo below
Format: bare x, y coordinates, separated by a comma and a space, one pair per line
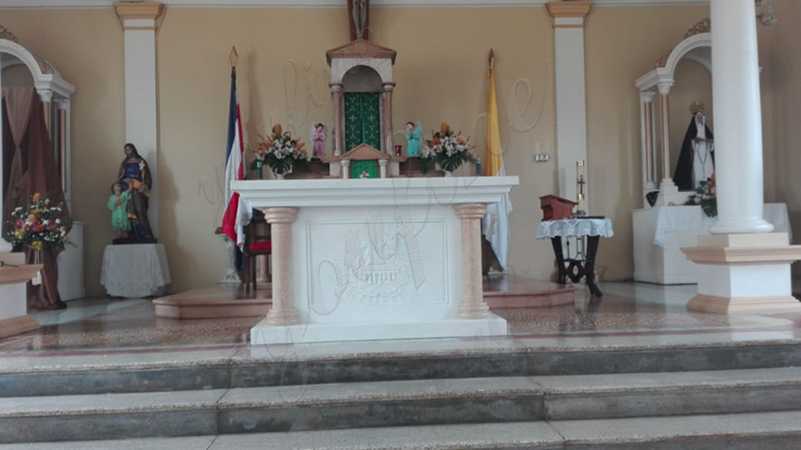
134, 176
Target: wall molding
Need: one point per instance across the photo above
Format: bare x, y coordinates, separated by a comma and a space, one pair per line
335, 3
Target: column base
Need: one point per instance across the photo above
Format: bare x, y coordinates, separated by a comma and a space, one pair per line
265, 333
724, 305
744, 273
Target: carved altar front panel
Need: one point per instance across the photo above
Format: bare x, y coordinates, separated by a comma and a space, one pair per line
377, 264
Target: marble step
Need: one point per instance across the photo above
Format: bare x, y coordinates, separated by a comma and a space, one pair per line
145, 371
756, 431
396, 403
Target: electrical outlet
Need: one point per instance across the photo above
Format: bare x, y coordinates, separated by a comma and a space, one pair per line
541, 157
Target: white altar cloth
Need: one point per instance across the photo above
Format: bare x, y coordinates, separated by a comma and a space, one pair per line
576, 227
661, 232
135, 270
375, 258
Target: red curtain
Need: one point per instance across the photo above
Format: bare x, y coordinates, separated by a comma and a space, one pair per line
41, 175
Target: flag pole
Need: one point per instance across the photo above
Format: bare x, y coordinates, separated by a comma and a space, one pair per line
233, 56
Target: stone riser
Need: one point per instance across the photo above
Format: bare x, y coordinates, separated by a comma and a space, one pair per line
684, 434
238, 374
501, 400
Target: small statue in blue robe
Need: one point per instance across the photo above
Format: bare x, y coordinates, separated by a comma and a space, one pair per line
414, 139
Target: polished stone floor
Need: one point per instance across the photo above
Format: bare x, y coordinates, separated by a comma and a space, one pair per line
627, 310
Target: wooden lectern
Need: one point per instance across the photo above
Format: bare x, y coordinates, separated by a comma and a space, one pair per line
14, 276
556, 208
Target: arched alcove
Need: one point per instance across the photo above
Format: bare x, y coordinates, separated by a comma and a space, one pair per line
655, 93
20, 68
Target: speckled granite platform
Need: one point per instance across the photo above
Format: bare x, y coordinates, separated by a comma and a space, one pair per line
628, 309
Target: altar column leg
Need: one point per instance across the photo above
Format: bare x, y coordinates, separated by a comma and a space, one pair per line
472, 304
283, 311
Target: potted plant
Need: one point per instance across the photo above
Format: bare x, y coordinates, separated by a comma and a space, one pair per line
447, 149
280, 151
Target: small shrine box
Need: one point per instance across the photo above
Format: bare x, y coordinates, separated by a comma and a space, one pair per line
556, 208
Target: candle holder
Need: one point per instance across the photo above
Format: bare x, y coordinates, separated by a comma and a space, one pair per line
580, 183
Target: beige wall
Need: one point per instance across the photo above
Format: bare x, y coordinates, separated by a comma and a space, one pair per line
86, 47
440, 75
622, 44
283, 78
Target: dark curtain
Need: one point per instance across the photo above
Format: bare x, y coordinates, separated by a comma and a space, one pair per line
41, 175
8, 151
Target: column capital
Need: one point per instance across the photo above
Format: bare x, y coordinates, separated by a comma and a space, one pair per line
471, 210
647, 96
664, 87
389, 86
280, 215
139, 15
569, 13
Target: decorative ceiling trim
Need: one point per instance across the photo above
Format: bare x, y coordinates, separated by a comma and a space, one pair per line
335, 3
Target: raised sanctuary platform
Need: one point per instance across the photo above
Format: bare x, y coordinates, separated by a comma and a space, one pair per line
375, 259
226, 301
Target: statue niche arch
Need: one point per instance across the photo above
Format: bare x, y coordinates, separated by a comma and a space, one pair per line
20, 69
655, 87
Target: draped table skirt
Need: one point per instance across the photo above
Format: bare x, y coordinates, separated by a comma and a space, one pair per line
135, 270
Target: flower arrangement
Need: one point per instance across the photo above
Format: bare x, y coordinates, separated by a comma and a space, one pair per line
38, 226
448, 149
280, 151
706, 196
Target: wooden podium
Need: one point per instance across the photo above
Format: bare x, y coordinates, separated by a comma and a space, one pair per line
556, 208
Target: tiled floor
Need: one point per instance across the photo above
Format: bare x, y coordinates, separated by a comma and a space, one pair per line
627, 310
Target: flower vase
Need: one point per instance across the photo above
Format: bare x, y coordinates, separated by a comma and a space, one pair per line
448, 173
278, 176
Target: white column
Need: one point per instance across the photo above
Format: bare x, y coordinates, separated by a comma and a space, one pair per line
664, 116
283, 311
472, 304
4, 246
571, 101
139, 22
738, 118
646, 108
64, 106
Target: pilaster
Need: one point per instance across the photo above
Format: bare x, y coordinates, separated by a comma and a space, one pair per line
140, 21
571, 99
472, 303
283, 311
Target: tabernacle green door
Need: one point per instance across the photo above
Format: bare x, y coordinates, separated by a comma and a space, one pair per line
362, 119
364, 169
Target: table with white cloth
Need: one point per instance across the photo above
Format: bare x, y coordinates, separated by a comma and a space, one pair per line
660, 233
591, 228
135, 270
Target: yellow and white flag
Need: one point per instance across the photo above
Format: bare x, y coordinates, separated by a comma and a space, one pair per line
496, 221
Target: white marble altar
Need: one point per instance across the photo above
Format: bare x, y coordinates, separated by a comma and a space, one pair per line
661, 232
375, 259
